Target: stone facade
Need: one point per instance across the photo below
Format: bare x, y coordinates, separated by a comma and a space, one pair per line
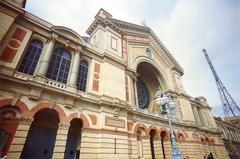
99, 113
230, 133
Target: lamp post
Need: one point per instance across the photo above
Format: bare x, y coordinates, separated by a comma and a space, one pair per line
166, 105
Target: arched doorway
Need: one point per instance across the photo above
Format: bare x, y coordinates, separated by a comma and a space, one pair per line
152, 134
163, 136
74, 139
149, 80
42, 135
9, 119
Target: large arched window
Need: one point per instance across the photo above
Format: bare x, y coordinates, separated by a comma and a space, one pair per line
31, 57
82, 76
59, 65
143, 97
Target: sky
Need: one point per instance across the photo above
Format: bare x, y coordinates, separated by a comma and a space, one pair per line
184, 26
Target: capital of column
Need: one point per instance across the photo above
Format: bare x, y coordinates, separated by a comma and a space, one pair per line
52, 37
63, 126
135, 76
78, 49
26, 120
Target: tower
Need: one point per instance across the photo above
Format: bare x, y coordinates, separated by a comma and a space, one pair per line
230, 107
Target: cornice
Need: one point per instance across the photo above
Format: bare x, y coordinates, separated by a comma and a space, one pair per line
142, 29
126, 25
103, 22
13, 5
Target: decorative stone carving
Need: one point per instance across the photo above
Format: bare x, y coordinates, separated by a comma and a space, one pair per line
63, 126
67, 43
35, 94
78, 49
93, 119
148, 53
25, 120
69, 102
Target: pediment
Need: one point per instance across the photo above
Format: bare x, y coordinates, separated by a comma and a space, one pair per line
69, 33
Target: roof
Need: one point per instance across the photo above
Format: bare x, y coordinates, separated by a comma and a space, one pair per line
105, 19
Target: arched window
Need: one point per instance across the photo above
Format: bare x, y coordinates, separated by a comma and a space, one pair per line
82, 76
31, 57
143, 97
59, 65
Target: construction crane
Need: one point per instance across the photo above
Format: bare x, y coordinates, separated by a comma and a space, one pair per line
230, 107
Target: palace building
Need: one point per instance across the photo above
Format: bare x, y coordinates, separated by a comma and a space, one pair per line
63, 95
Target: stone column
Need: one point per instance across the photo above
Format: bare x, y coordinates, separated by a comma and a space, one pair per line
212, 120
201, 117
135, 91
47, 56
132, 95
18, 142
75, 67
61, 141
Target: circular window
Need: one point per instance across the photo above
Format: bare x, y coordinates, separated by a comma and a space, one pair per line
143, 97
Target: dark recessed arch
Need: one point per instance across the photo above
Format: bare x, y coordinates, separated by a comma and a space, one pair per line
72, 150
41, 137
148, 82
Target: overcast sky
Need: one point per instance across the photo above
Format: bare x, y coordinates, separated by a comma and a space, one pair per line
184, 26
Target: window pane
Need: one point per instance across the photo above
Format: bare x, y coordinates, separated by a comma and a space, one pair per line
82, 76
143, 98
31, 57
60, 64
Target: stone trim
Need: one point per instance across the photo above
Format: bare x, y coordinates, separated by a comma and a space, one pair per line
21, 105
108, 118
139, 125
61, 113
93, 119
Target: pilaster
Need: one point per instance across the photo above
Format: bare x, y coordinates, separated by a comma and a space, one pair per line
75, 68
135, 91
18, 142
146, 147
61, 140
47, 55
198, 122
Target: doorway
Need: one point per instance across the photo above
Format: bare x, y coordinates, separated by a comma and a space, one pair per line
9, 119
163, 138
41, 137
152, 135
72, 150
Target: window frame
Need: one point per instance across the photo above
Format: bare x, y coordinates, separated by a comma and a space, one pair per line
52, 67
25, 54
146, 106
87, 72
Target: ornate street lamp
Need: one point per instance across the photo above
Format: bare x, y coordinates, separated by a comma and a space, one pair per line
167, 105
